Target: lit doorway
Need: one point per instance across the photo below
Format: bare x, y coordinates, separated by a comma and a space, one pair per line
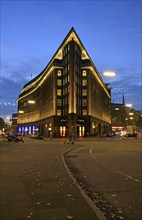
62, 131
81, 131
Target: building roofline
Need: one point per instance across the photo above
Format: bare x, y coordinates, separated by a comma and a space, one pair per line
31, 85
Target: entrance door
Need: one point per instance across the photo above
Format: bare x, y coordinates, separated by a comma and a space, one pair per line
81, 131
62, 131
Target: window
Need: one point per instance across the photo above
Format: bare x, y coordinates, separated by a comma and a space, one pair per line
59, 82
84, 73
58, 112
63, 131
59, 102
81, 131
59, 92
59, 73
84, 92
84, 82
84, 102
84, 112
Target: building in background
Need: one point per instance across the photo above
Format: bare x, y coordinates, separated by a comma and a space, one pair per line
67, 97
118, 115
14, 122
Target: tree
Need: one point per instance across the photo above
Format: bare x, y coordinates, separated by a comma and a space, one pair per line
2, 123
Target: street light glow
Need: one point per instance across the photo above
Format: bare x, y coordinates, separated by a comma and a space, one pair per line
128, 105
109, 74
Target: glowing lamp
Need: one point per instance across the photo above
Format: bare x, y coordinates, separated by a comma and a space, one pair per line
31, 102
109, 74
21, 112
129, 105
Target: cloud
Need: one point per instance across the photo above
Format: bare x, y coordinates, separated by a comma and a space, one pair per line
127, 82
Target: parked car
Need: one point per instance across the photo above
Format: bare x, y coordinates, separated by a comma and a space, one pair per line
110, 134
13, 137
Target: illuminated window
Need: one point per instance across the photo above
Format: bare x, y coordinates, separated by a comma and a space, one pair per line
25, 104
63, 131
84, 82
84, 112
84, 92
59, 82
68, 47
59, 92
84, 102
58, 112
81, 131
59, 102
84, 73
29, 129
59, 73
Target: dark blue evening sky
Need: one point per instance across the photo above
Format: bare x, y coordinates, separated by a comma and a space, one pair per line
32, 31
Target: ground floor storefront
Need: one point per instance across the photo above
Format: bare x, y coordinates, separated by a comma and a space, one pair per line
62, 126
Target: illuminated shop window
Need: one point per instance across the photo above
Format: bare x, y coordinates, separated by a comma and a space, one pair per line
59, 92
30, 129
81, 131
63, 131
59, 82
84, 73
58, 112
59, 73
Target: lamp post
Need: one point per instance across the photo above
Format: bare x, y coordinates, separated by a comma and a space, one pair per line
109, 74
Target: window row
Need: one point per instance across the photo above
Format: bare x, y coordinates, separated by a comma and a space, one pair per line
60, 72
59, 112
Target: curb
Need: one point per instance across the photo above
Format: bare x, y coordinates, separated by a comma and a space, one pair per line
96, 210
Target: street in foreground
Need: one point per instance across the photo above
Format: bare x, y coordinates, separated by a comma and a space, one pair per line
110, 172
35, 184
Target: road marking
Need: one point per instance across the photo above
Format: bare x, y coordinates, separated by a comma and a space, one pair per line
117, 171
128, 176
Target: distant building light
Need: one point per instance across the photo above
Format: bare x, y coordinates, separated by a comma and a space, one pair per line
128, 105
21, 112
117, 109
31, 102
131, 118
131, 113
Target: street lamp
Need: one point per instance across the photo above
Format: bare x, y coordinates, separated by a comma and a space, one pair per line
109, 74
129, 105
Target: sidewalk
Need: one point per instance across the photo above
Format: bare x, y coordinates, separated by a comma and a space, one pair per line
35, 184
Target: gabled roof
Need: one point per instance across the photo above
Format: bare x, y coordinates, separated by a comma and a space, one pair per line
37, 81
